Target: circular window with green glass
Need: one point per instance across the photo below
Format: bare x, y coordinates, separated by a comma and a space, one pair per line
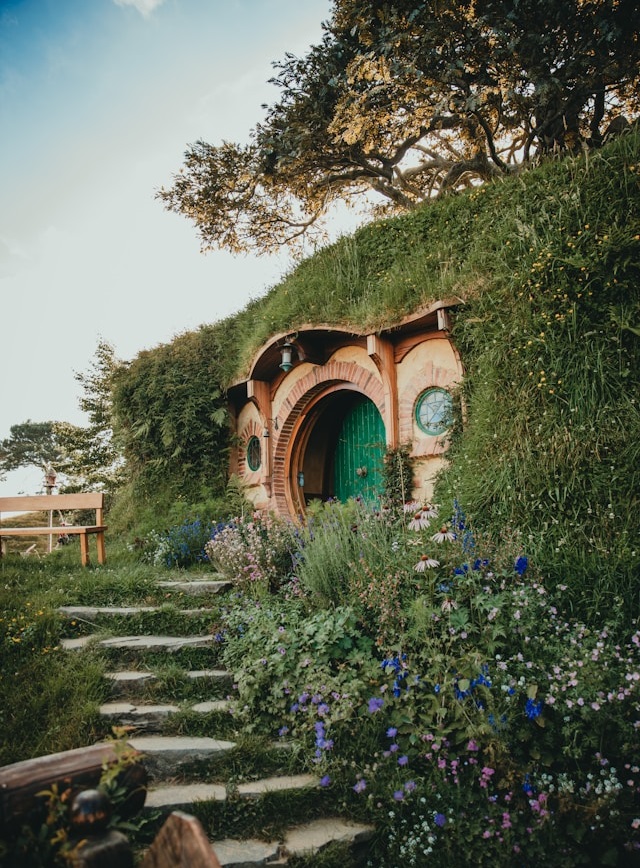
254, 456
434, 411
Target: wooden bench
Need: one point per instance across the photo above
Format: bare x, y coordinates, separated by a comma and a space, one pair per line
55, 503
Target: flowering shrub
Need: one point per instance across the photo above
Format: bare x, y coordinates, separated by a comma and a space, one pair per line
493, 730
287, 662
182, 545
254, 552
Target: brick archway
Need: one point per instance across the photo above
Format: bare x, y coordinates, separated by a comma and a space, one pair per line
316, 385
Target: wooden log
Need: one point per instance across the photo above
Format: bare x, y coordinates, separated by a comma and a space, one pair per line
181, 843
76, 770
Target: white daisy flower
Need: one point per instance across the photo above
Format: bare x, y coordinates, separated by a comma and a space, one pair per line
444, 534
426, 563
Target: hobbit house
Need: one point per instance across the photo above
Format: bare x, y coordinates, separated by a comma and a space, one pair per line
322, 404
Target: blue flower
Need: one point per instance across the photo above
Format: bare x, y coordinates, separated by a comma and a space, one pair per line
521, 565
375, 704
533, 709
392, 732
440, 820
325, 781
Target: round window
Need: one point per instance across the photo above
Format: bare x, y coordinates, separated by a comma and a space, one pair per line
254, 457
434, 411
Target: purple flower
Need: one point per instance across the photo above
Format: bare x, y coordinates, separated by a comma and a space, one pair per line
410, 786
360, 786
283, 731
403, 761
323, 708
325, 781
440, 820
398, 795
375, 704
392, 732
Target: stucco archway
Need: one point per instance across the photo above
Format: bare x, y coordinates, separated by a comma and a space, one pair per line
332, 385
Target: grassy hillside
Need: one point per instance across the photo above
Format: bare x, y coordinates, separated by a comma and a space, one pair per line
546, 266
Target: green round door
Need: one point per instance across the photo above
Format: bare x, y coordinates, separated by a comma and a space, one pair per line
359, 453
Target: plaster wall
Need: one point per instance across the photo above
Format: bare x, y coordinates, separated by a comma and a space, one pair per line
250, 425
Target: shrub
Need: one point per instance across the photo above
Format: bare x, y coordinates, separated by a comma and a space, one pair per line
181, 546
254, 552
494, 729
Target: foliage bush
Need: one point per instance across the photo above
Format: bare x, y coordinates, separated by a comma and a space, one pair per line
181, 546
490, 728
255, 552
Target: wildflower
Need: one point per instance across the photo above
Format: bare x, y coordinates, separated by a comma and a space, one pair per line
398, 795
440, 820
410, 786
403, 761
426, 563
533, 709
411, 506
521, 565
360, 786
325, 781
444, 534
449, 605
418, 522
375, 704
392, 732
283, 731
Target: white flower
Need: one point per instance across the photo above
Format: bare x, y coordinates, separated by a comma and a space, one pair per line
418, 522
426, 563
445, 533
411, 506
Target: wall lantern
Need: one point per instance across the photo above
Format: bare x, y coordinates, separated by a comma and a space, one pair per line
300, 478
287, 356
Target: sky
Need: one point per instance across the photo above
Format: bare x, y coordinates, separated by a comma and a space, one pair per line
98, 102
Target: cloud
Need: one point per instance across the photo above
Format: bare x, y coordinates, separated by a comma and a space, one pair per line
144, 7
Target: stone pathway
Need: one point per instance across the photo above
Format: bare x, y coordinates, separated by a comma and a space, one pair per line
168, 756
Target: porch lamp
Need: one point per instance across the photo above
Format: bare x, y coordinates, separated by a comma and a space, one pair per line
287, 356
300, 478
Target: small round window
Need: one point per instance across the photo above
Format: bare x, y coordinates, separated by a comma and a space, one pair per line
434, 411
254, 458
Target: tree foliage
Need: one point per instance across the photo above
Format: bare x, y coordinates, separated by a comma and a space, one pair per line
91, 456
403, 100
171, 416
30, 444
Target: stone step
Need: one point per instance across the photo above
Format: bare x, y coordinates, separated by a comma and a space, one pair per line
165, 756
90, 613
134, 680
198, 586
175, 797
140, 643
182, 797
305, 840
151, 718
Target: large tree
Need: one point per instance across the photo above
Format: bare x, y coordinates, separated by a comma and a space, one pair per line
402, 100
29, 444
91, 457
